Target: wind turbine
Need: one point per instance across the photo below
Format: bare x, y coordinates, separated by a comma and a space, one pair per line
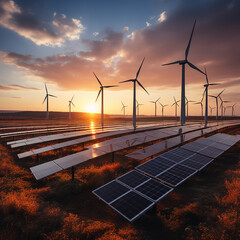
163, 106
206, 96
123, 108
183, 62
222, 107
134, 92
176, 105
138, 107
155, 102
188, 101
216, 98
201, 103
101, 91
46, 98
211, 108
70, 103
233, 108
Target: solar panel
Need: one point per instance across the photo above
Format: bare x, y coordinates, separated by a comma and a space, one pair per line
133, 179
131, 205
193, 146
182, 152
111, 191
200, 159
173, 157
211, 152
192, 164
46, 169
204, 141
170, 179
154, 190
181, 172
220, 146
155, 166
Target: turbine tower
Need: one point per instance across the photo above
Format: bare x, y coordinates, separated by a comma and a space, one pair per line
216, 98
70, 103
233, 108
163, 106
211, 108
176, 105
222, 107
134, 92
155, 102
188, 101
183, 62
101, 91
46, 98
123, 108
138, 107
206, 96
201, 103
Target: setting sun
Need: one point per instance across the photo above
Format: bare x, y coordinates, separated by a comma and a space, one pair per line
91, 108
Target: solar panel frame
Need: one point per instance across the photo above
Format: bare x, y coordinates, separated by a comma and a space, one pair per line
116, 205
211, 152
118, 195
146, 189
194, 147
182, 152
172, 171
134, 176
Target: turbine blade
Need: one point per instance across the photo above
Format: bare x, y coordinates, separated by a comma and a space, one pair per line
220, 93
174, 99
46, 88
152, 101
212, 84
171, 63
206, 75
189, 43
97, 79
194, 67
130, 80
110, 86
142, 87
44, 99
173, 104
73, 104
98, 94
72, 98
158, 99
140, 68
51, 95
212, 96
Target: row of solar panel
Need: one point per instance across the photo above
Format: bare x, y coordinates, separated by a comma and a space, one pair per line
49, 168
164, 145
155, 134
171, 168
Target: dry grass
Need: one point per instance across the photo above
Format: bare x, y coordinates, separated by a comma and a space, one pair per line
205, 207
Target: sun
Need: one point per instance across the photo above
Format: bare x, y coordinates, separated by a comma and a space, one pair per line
91, 108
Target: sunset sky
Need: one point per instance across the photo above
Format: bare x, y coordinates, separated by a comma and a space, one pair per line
61, 43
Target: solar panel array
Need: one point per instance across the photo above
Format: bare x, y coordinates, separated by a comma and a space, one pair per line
135, 192
132, 194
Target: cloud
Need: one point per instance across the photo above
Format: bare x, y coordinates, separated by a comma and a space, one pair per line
14, 87
115, 57
125, 29
162, 17
26, 24
148, 24
95, 34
